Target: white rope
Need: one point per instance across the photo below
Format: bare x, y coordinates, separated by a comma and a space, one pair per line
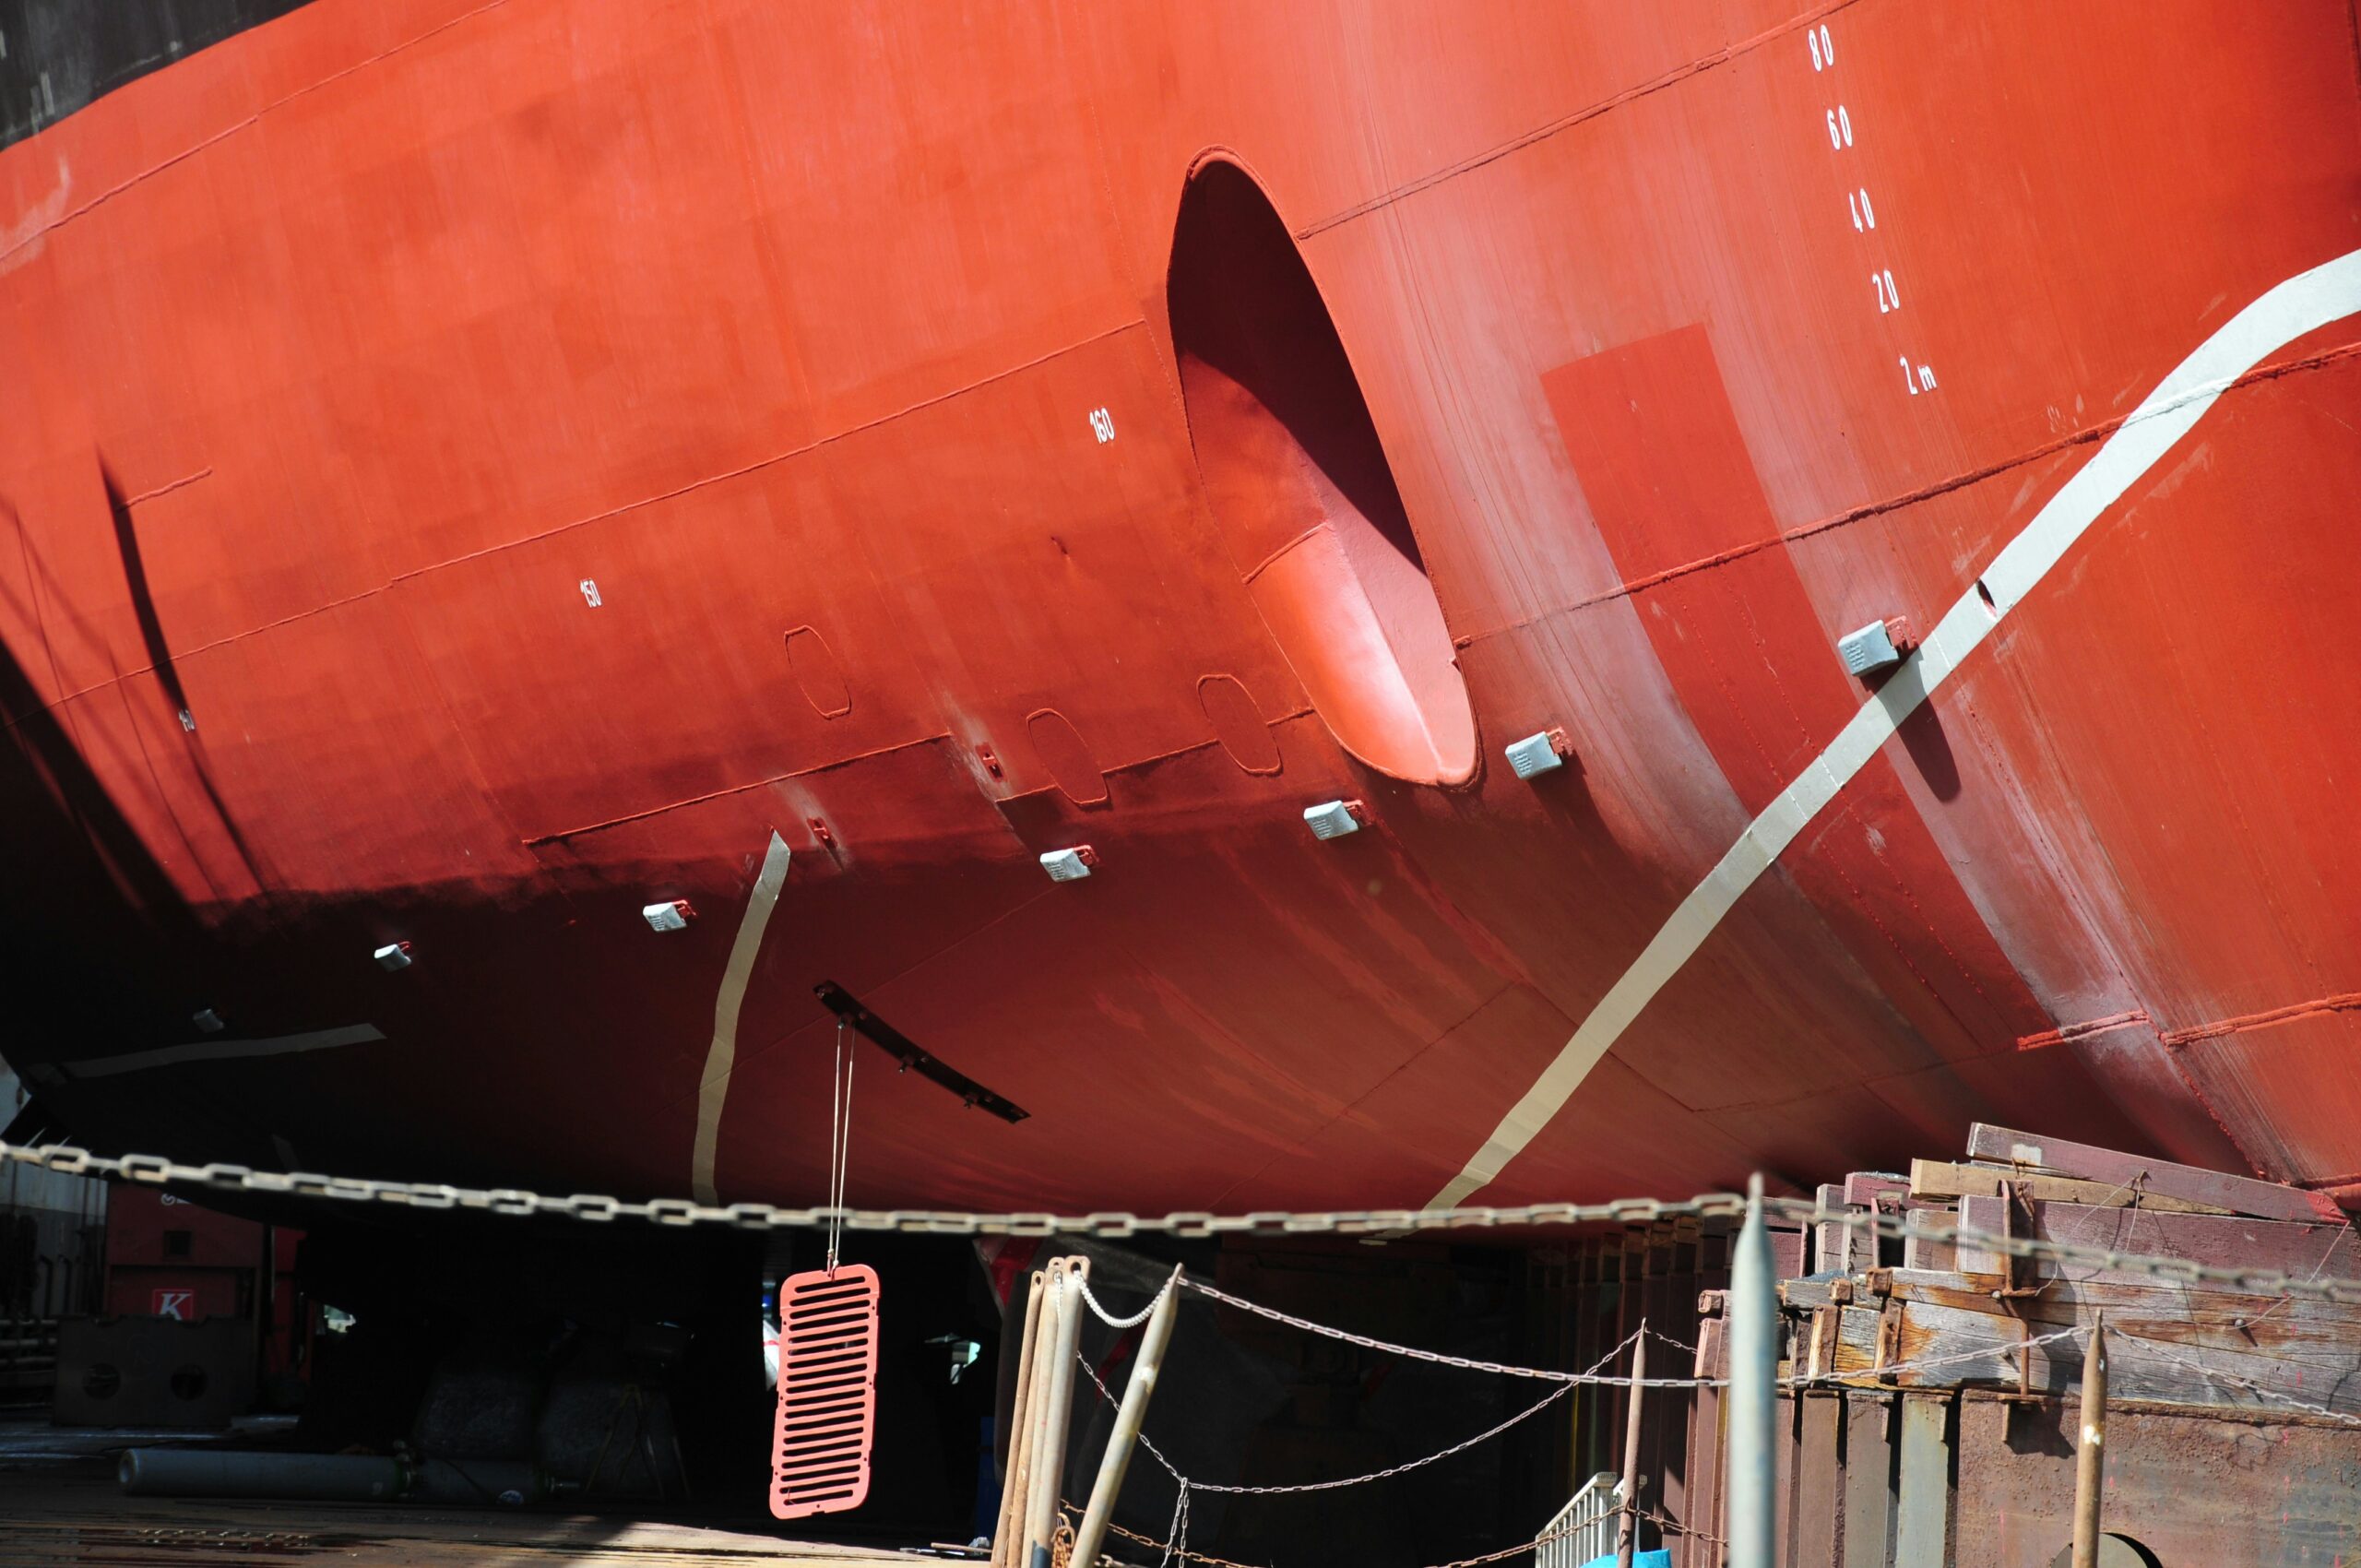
1109, 1319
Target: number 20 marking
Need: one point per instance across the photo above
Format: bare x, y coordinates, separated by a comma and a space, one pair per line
1888, 299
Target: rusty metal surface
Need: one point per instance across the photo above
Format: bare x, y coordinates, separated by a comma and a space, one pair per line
2189, 1488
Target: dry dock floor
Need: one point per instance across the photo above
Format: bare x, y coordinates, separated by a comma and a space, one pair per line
59, 1504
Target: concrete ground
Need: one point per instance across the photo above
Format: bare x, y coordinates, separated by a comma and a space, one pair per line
60, 1504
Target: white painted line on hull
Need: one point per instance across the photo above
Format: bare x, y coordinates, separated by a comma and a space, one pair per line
220, 1049
722, 1055
2303, 303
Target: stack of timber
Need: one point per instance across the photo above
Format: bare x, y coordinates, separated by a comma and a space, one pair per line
1928, 1422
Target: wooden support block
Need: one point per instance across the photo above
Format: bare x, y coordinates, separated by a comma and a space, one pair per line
1786, 1255
1862, 1186
1803, 1295
2181, 1347
1925, 1252
1820, 1483
1934, 1179
1923, 1509
1832, 1239
2211, 1189
1868, 1483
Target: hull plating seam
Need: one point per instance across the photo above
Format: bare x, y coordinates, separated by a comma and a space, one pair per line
2302, 304
1672, 77
2095, 433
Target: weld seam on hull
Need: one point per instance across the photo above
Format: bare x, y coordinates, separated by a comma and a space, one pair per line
2302, 304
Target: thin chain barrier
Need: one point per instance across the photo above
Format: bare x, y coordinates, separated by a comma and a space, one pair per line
1189, 1484
1654, 1333
156, 1171
1411, 1352
1593, 1375
2156, 1349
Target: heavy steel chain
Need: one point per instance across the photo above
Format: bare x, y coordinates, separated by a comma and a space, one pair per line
156, 1171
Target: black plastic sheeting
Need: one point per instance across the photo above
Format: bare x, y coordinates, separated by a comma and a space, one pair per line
57, 56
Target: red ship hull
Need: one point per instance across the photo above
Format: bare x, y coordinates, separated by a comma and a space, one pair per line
471, 471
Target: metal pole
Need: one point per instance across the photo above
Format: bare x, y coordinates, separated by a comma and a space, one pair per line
1120, 1443
1012, 1486
2090, 1464
1627, 1524
1036, 1399
1056, 1411
1754, 1368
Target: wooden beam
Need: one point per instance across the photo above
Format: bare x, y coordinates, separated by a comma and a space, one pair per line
2231, 1194
1934, 1179
2305, 1250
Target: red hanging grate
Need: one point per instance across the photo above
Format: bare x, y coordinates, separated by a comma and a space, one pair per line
827, 1391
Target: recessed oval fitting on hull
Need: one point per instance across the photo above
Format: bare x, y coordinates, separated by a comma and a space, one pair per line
1067, 757
821, 678
1300, 485
1237, 723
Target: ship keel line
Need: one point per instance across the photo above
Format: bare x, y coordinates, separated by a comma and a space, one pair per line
2303, 303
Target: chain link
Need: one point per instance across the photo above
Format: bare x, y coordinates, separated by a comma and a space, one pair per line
155, 1171
1436, 1358
1528, 1412
597, 1208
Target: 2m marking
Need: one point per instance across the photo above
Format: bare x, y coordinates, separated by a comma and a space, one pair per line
1922, 380
1888, 298
1102, 426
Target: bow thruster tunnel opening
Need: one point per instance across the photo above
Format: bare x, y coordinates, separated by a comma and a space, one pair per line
1301, 489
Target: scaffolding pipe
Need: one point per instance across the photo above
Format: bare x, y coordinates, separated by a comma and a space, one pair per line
1013, 1489
1146, 1363
1754, 1358
1627, 1524
1056, 1411
2090, 1463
